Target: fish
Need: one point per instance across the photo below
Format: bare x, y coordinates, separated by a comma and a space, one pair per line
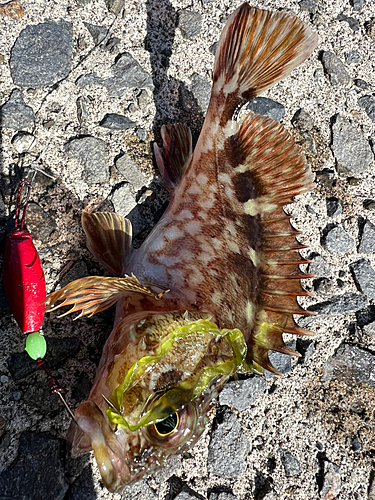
215, 284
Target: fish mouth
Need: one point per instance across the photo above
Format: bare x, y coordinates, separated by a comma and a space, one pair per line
110, 455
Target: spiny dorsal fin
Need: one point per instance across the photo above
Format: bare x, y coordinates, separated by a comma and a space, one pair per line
268, 171
95, 293
109, 239
258, 48
174, 157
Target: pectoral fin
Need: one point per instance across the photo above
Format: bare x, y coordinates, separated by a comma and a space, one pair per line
95, 293
109, 239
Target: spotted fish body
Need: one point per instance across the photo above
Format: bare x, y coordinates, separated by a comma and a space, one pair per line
215, 284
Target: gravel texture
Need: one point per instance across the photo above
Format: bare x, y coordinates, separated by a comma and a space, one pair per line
85, 89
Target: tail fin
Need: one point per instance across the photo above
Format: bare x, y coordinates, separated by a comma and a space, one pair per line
258, 48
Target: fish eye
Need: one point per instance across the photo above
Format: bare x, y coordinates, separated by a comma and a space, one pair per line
168, 425
175, 430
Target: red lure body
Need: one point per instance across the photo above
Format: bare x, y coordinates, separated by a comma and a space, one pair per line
24, 281
23, 276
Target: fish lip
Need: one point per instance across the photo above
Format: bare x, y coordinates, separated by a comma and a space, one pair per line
111, 457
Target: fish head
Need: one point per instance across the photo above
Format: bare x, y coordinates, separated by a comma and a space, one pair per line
151, 399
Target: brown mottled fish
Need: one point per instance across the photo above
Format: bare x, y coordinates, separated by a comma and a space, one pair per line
215, 284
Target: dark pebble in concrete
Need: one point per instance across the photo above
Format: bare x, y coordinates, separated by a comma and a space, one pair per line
140, 491
367, 239
369, 205
334, 207
353, 57
201, 90
111, 44
357, 4
352, 365
351, 150
82, 104
291, 465
352, 21
129, 171
282, 362
98, 33
364, 277
90, 152
361, 84
186, 495
325, 177
367, 103
335, 68
267, 107
309, 6
39, 222
115, 6
213, 48
190, 23
340, 304
323, 287
306, 348
353, 181
41, 55
128, 75
338, 240
38, 470
242, 394
222, 495
319, 267
114, 121
21, 365
302, 120
194, 97
331, 481
228, 447
15, 114
356, 445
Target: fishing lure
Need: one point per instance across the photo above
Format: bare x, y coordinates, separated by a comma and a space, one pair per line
25, 289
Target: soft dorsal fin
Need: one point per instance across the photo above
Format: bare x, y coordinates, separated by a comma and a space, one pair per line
109, 239
268, 170
173, 158
95, 294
